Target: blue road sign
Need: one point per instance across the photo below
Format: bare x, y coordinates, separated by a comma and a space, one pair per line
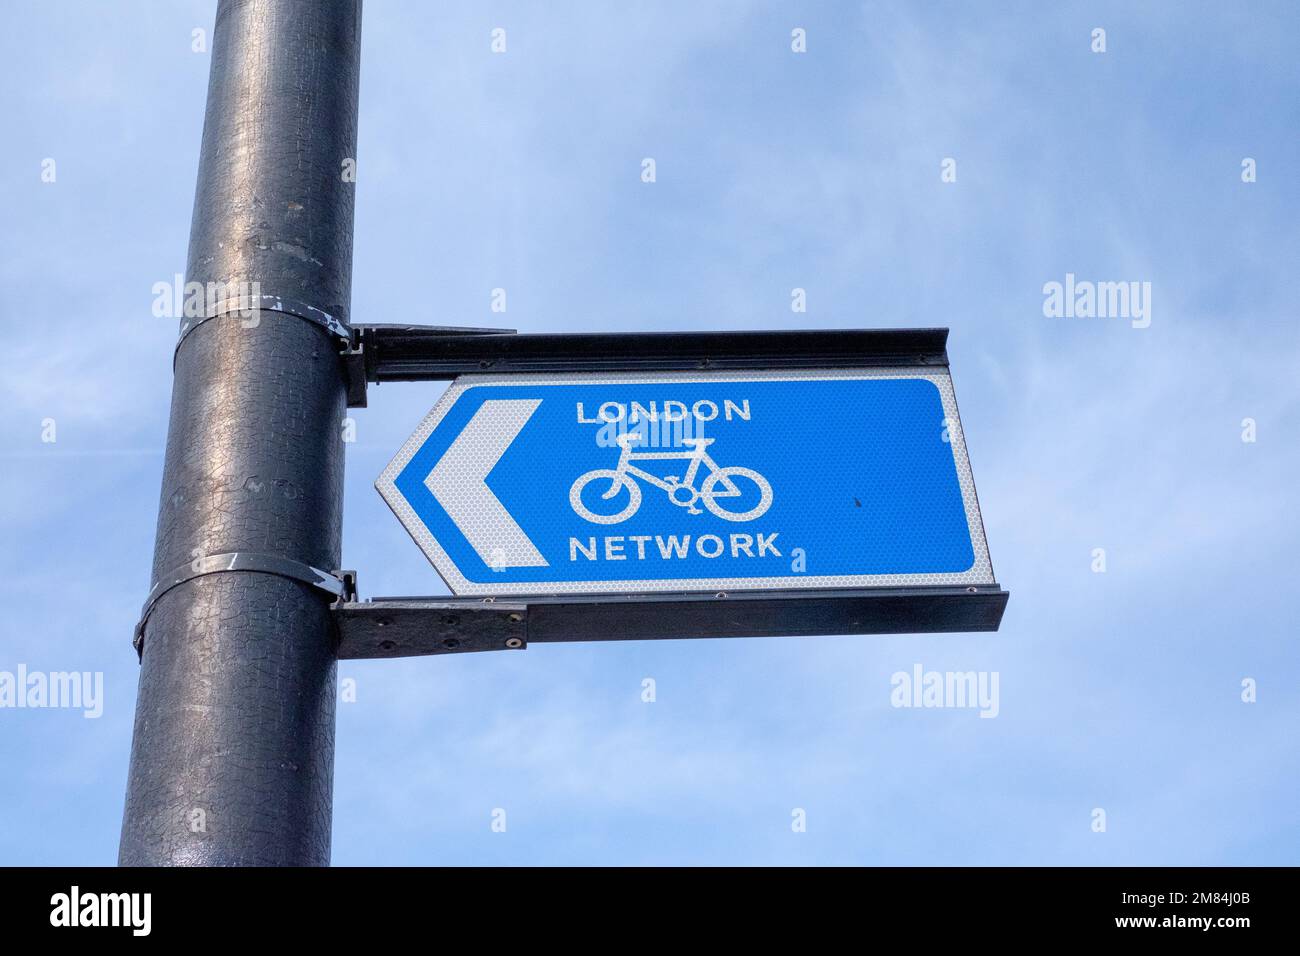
632, 482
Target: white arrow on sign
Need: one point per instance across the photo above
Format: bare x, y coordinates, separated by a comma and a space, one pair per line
459, 482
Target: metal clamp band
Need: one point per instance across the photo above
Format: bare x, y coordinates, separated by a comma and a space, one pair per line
334, 584
243, 305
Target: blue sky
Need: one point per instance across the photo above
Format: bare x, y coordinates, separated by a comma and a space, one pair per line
775, 170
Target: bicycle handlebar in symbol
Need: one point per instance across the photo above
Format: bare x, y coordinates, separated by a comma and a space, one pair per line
720, 483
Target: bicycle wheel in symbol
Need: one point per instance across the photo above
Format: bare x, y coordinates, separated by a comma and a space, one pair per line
616, 479
709, 494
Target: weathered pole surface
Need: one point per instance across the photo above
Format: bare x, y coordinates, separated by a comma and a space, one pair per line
233, 753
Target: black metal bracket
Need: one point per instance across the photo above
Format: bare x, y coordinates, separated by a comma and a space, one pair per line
341, 584
412, 353
416, 626
249, 309
367, 343
413, 627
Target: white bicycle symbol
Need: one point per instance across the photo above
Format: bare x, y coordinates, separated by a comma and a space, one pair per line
720, 483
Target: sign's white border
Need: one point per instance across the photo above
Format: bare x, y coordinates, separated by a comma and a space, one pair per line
979, 573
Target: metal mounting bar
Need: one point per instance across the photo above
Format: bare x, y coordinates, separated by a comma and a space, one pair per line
366, 342
414, 626
403, 353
